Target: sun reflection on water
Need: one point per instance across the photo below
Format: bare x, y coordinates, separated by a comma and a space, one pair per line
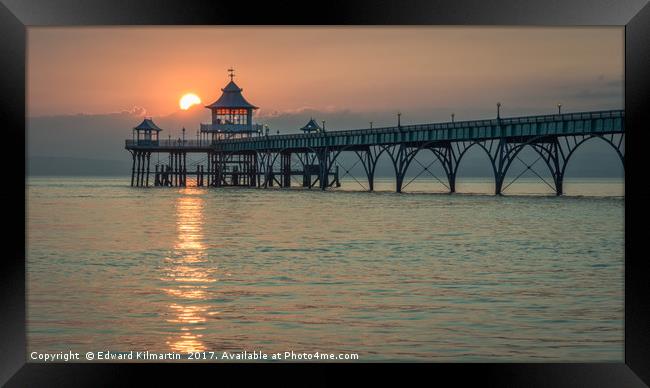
187, 275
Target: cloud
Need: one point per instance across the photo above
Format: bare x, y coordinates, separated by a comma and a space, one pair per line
263, 114
135, 110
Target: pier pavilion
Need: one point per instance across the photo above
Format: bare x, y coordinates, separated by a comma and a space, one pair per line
232, 118
239, 153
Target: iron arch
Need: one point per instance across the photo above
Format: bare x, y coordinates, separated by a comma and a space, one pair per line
616, 147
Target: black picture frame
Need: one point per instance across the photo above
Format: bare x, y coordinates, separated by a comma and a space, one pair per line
17, 15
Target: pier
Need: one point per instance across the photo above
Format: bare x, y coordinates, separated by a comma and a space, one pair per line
236, 152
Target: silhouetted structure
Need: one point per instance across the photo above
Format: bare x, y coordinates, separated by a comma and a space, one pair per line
311, 126
238, 158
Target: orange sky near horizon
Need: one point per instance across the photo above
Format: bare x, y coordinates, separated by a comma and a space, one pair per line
101, 70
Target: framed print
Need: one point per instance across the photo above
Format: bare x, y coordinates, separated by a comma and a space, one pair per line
448, 189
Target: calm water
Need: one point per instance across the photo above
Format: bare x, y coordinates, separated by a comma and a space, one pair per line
413, 277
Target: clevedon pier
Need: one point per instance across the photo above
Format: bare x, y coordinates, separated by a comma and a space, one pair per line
233, 151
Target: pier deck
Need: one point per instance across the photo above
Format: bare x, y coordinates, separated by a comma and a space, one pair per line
554, 137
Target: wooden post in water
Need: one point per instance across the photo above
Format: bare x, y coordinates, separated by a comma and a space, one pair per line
176, 169
138, 178
142, 168
209, 164
148, 161
217, 170
286, 170
180, 169
173, 169
252, 170
169, 166
133, 168
210, 171
184, 169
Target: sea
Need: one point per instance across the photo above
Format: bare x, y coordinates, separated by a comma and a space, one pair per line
419, 276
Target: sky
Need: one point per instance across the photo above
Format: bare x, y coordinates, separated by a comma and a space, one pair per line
87, 87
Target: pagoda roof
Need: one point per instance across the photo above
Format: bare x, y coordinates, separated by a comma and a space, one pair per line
147, 124
231, 98
311, 126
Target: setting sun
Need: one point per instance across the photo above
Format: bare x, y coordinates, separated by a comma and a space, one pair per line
188, 100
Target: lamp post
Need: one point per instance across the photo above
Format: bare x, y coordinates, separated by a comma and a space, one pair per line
452, 117
371, 125
183, 135
498, 110
559, 109
323, 125
399, 119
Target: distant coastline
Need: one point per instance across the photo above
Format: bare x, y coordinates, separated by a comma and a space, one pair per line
62, 166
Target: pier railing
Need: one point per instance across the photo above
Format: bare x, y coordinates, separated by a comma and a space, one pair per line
458, 124
610, 121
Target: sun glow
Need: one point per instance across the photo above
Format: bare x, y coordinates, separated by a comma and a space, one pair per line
188, 100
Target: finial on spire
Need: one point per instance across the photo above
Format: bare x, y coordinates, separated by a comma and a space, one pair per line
231, 73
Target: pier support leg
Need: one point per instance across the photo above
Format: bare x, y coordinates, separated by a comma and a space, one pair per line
180, 169
369, 159
286, 169
137, 169
498, 185
253, 173
268, 170
399, 181
176, 170
133, 169
218, 170
324, 164
212, 170
148, 165
209, 164
182, 159
336, 177
172, 170
143, 169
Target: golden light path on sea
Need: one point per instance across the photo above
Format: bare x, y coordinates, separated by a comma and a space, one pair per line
188, 276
